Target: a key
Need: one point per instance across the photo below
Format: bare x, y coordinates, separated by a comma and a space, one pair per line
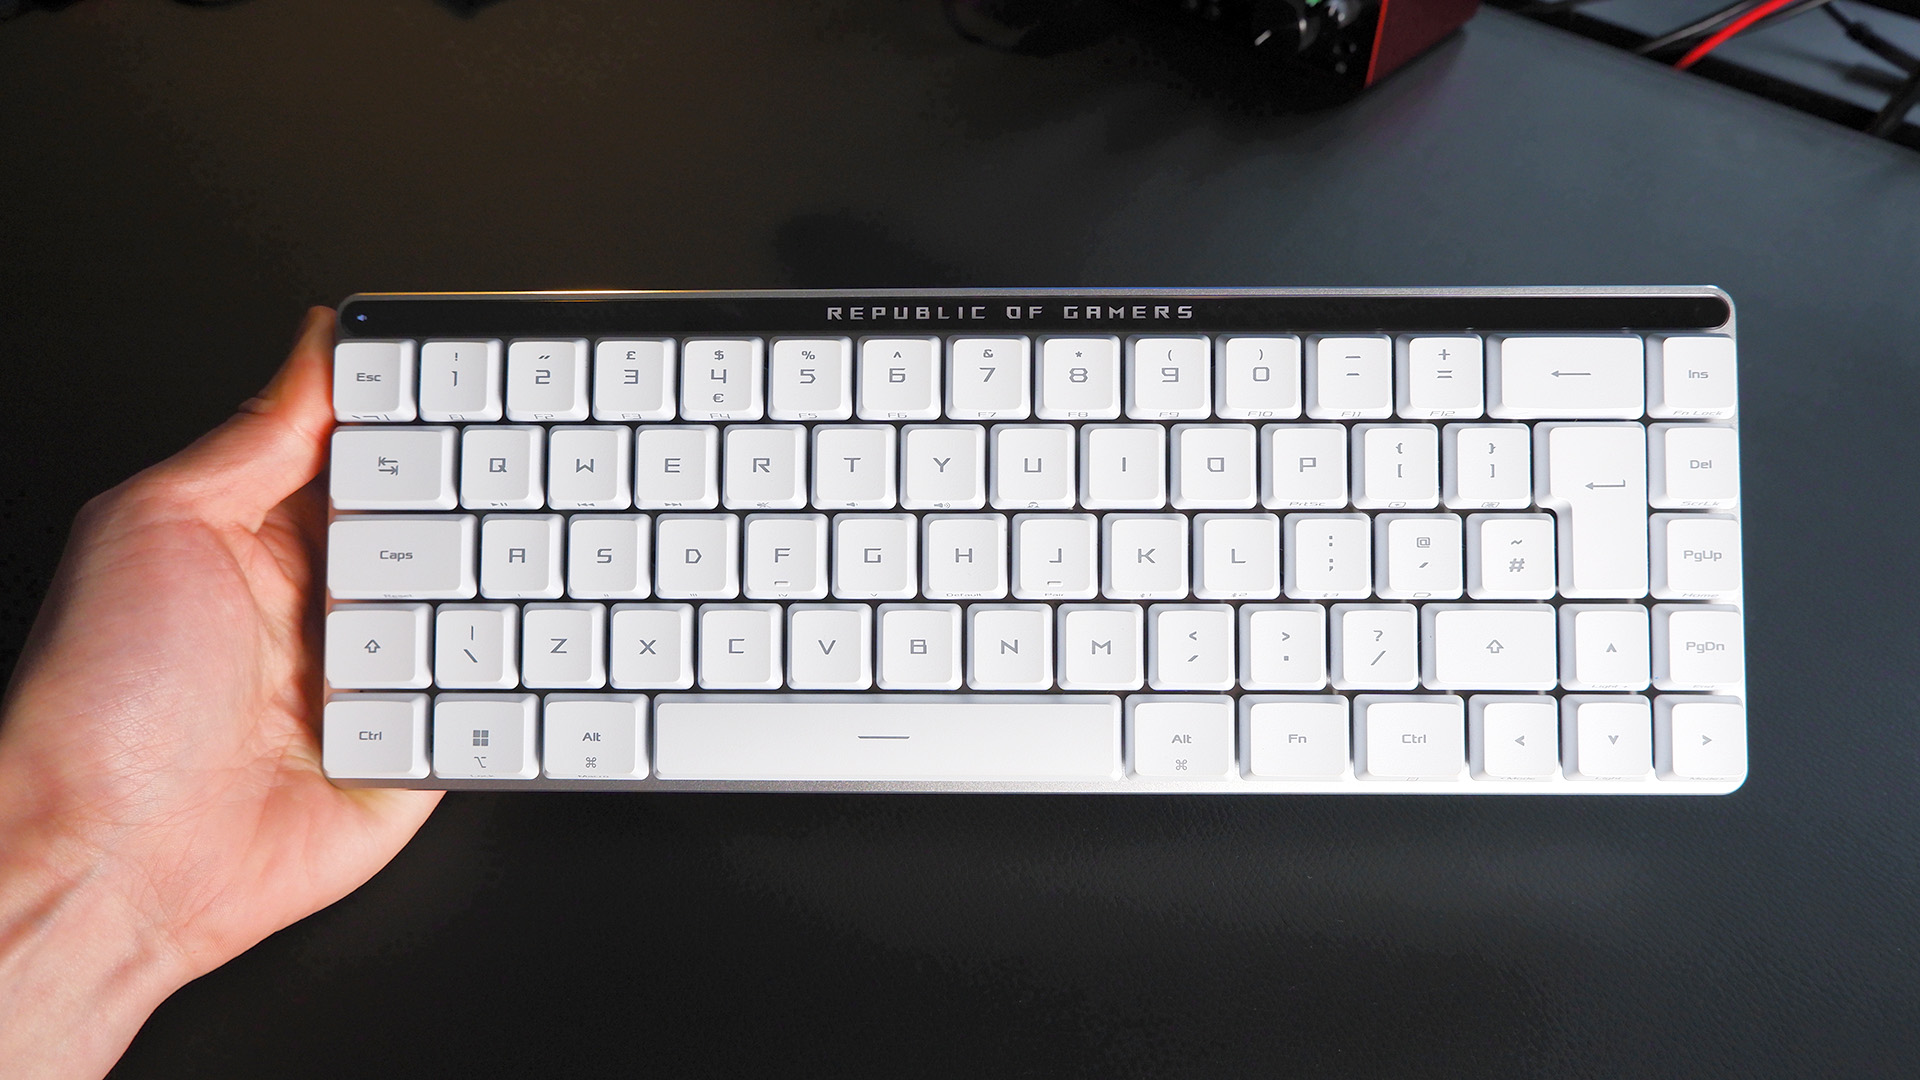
588, 468
853, 468
1079, 379
1375, 646
1699, 738
460, 381
1417, 556
1123, 466
988, 378
485, 736
1697, 647
1190, 647
1400, 738
1349, 378
1487, 466
1691, 375
373, 381
1145, 556
1283, 647
875, 556
1604, 647
564, 646
1180, 738
1327, 556
633, 380
547, 381
374, 736
1594, 478
721, 379
1294, 738
1437, 378
1257, 378
1010, 647
1033, 467
1303, 467
1100, 647
740, 646
1213, 467
476, 646
697, 556
1575, 378
786, 556
919, 646
829, 646
1513, 738
677, 467
810, 379
1488, 647
594, 737
650, 646
520, 556
1694, 556
766, 467
503, 467
899, 378
1055, 556
1606, 737
1169, 378
1510, 556
1236, 556
1396, 466
377, 646
401, 557
965, 557
392, 468
1693, 466
609, 557
943, 466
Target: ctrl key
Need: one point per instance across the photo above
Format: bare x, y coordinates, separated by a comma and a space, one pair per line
375, 737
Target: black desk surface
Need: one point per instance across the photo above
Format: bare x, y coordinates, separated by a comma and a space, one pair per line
179, 182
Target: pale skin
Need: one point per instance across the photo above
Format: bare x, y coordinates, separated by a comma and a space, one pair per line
162, 807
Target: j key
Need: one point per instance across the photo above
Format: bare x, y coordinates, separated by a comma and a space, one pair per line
650, 647
1257, 378
502, 467
829, 646
698, 556
477, 646
677, 468
401, 557
988, 379
811, 379
899, 378
393, 468
1594, 476
460, 381
1349, 378
373, 380
1303, 467
1538, 377
720, 379
1169, 378
1123, 466
378, 646
1055, 556
1079, 379
1437, 378
634, 380
547, 381
520, 556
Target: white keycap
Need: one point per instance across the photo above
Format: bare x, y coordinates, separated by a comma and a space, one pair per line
1417, 556
1257, 378
677, 467
697, 556
392, 468
547, 381
1437, 378
1694, 556
1396, 466
1079, 379
589, 468
899, 378
1033, 466
1213, 467
720, 379
919, 646
1588, 378
634, 379
786, 556
650, 646
853, 468
1303, 467
1691, 376
1190, 647
1294, 738
1123, 467
876, 556
377, 646
766, 467
1010, 647
1605, 647
594, 737
609, 557
503, 467
988, 378
460, 381
1180, 738
1398, 738
373, 380
1055, 556
1236, 556
1699, 738
520, 556
1510, 556
811, 379
964, 557
1349, 378
1101, 647
829, 646
943, 467
1693, 465
564, 646
1594, 478
1697, 647
876, 737
1145, 556
1606, 737
1169, 378
1283, 647
401, 557
740, 646
1513, 738
1327, 556
1374, 647
374, 737
485, 736
1488, 647
1487, 466
476, 646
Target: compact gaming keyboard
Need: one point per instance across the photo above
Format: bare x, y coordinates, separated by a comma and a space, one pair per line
1147, 540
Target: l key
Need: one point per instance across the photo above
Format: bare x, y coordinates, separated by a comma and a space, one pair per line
1594, 478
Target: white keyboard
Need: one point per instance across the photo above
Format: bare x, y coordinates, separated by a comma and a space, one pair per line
1263, 540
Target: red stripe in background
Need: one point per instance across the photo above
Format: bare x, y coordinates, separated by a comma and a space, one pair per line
1379, 31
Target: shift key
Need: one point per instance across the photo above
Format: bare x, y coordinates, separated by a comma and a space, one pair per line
401, 557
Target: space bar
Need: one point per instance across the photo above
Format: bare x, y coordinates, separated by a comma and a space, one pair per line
886, 737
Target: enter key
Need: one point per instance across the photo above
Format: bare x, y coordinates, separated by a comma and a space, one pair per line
1594, 478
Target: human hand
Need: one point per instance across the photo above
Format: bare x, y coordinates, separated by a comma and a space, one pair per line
162, 807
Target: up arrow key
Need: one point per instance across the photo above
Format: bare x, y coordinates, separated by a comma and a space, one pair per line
372, 646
